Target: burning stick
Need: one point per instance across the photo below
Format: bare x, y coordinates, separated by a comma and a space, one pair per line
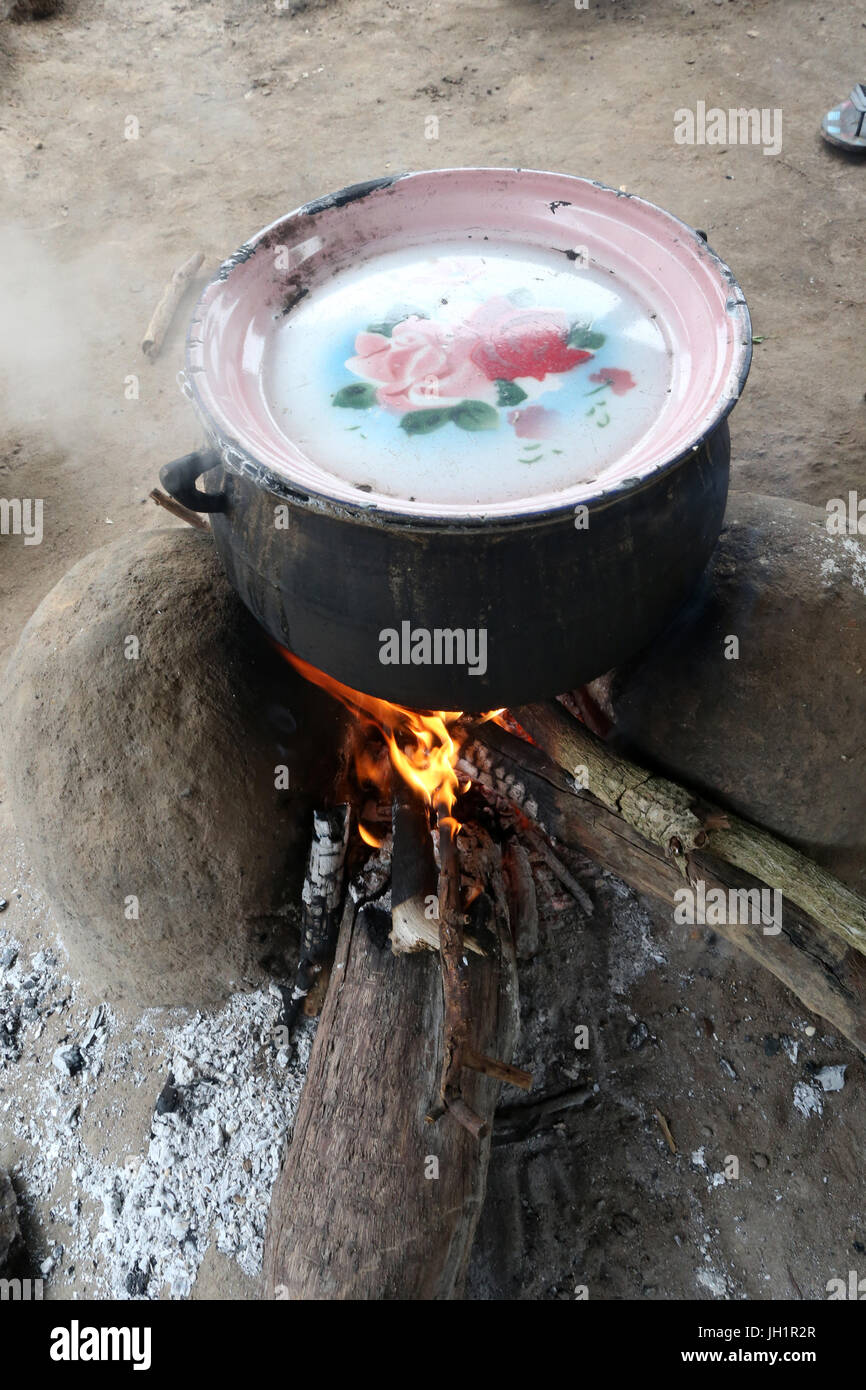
167, 306
455, 980
322, 904
457, 1050
424, 754
413, 874
414, 890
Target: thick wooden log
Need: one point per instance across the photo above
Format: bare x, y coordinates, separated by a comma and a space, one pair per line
674, 818
374, 1202
826, 975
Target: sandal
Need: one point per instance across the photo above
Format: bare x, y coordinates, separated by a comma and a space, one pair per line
844, 126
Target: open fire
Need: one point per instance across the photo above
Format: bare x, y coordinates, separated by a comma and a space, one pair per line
423, 746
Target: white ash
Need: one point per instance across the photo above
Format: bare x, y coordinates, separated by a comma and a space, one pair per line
831, 1078
808, 1099
213, 1156
857, 554
30, 994
208, 1162
790, 1047
632, 950
714, 1282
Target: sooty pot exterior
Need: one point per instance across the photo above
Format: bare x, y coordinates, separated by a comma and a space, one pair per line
534, 606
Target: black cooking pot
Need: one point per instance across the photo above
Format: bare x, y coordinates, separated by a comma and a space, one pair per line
481, 609
560, 605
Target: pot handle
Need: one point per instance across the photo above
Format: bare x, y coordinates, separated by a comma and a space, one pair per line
178, 479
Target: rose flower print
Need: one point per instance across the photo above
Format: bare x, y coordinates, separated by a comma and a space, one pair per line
474, 374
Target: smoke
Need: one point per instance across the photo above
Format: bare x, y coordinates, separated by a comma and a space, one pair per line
57, 338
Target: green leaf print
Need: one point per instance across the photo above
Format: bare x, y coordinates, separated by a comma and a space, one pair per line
424, 421
360, 395
582, 336
509, 393
475, 415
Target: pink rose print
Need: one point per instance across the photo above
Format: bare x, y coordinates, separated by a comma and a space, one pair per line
535, 422
421, 364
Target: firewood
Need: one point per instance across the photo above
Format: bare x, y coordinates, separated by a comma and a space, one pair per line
165, 310
414, 878
373, 1202
455, 980
414, 918
674, 818
508, 806
521, 898
322, 905
658, 809
828, 977
177, 509
538, 843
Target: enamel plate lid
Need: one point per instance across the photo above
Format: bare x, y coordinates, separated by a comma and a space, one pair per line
468, 343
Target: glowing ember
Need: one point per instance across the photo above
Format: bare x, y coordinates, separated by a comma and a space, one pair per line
421, 745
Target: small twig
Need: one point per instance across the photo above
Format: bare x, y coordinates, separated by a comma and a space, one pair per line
541, 846
167, 306
500, 1071
666, 1130
522, 901
519, 1121
461, 1112
455, 975
177, 509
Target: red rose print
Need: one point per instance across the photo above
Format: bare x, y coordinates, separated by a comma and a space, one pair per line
516, 343
616, 378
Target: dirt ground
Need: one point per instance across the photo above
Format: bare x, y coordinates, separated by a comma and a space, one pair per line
245, 109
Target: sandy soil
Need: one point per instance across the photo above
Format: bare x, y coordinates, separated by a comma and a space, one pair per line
245, 110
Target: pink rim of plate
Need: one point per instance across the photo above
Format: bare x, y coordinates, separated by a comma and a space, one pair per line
700, 309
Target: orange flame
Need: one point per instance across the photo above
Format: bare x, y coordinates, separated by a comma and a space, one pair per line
374, 841
421, 744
